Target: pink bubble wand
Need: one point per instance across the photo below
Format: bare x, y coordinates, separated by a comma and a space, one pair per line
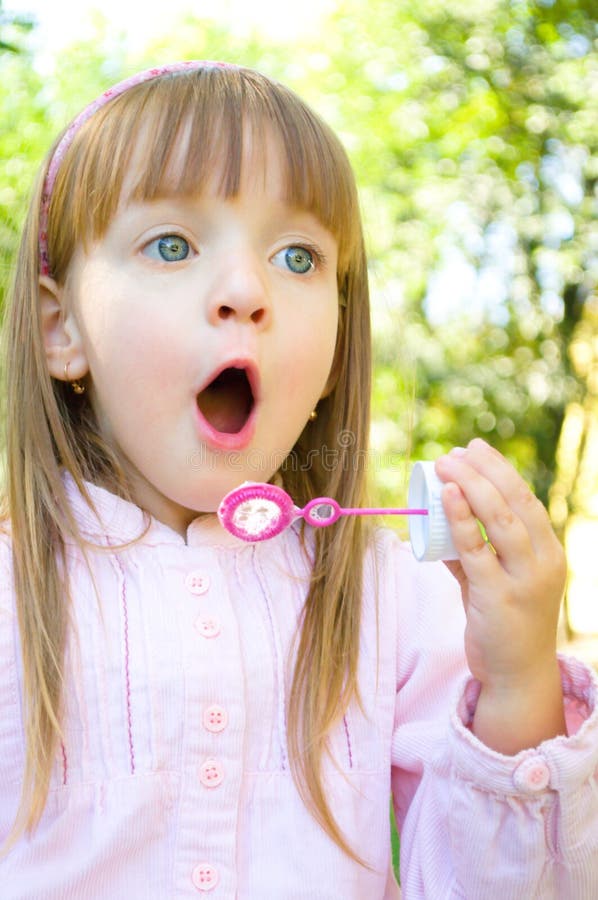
257, 512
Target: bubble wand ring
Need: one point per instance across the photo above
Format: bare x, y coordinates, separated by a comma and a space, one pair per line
257, 512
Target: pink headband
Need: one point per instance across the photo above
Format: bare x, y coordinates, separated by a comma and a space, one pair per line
67, 138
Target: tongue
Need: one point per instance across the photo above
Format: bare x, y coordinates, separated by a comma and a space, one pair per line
223, 413
226, 403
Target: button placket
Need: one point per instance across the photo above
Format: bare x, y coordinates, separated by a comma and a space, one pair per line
214, 675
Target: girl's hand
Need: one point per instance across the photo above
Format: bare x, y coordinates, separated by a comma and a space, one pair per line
512, 589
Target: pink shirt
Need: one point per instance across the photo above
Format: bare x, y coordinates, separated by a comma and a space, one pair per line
173, 780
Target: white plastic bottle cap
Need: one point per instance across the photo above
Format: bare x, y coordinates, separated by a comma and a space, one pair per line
430, 535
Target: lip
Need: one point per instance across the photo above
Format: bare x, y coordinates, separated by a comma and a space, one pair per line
224, 440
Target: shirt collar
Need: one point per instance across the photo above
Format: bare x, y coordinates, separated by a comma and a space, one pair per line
113, 520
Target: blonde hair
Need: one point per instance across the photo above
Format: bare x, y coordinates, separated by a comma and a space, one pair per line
56, 429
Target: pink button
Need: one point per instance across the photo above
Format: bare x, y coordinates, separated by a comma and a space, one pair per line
197, 582
205, 877
211, 773
215, 718
532, 775
208, 626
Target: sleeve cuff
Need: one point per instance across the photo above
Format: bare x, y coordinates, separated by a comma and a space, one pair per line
558, 764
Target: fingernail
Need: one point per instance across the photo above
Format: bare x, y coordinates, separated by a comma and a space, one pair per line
458, 451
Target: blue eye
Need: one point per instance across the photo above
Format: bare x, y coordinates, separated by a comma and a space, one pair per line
299, 260
169, 248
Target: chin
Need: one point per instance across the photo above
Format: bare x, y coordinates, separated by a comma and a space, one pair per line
205, 495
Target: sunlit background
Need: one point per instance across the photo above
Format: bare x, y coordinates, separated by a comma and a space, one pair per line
472, 129
60, 23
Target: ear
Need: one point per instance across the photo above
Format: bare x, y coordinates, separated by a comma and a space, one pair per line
61, 335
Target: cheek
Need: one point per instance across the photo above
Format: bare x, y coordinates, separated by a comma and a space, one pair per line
104, 316
121, 334
313, 350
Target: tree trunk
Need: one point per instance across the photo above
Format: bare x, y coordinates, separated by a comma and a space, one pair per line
574, 494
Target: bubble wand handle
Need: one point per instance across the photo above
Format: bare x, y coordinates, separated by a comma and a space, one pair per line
324, 511
383, 511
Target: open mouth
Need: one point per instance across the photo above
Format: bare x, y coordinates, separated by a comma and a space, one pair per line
227, 401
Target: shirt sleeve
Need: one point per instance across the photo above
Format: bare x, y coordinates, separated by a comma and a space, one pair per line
475, 823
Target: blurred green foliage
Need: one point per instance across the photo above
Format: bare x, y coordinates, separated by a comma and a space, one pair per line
472, 129
12, 29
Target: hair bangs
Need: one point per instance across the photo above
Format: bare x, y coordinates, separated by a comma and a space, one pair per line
198, 133
183, 130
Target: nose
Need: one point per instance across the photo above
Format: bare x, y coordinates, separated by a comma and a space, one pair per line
241, 293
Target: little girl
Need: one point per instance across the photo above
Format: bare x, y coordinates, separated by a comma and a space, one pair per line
184, 713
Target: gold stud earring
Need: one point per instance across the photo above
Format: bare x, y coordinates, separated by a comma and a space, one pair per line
313, 415
76, 385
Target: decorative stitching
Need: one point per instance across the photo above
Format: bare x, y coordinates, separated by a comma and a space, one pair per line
123, 594
64, 764
348, 736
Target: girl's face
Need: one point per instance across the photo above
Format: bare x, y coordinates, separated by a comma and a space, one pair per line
208, 328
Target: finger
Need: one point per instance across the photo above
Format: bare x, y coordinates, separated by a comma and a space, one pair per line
476, 556
506, 531
516, 492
